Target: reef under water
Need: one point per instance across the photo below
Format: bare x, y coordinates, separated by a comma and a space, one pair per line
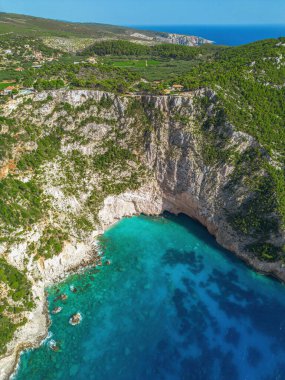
171, 304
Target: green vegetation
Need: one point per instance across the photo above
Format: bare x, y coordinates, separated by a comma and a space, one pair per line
135, 63
5, 85
15, 297
51, 243
116, 166
34, 26
83, 224
114, 156
54, 84
7, 330
20, 202
163, 69
158, 62
124, 48
260, 213
254, 108
250, 105
213, 132
118, 48
85, 75
7, 139
48, 148
266, 251
17, 282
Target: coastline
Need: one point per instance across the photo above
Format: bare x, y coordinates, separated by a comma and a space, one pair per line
227, 35
163, 192
73, 259
40, 318
149, 201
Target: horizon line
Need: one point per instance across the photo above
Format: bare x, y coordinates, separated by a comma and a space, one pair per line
142, 25
150, 25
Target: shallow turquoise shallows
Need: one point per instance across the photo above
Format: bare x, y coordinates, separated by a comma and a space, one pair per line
172, 305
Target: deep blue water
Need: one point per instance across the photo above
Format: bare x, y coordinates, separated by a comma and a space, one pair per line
232, 35
172, 305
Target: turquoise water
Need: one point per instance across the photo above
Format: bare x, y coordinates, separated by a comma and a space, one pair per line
172, 305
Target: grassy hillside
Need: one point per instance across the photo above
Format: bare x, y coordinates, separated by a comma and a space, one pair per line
36, 26
72, 37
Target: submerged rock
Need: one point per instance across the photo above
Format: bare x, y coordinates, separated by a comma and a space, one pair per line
75, 319
57, 310
54, 346
73, 289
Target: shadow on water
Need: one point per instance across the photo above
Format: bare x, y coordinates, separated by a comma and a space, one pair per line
191, 259
194, 227
265, 313
254, 356
232, 336
201, 232
237, 300
194, 322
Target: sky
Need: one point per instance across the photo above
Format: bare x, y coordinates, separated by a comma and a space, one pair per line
154, 12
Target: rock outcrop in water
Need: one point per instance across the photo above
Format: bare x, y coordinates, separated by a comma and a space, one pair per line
110, 157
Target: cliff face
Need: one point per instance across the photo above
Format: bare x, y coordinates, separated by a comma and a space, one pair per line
94, 158
197, 175
170, 38
198, 162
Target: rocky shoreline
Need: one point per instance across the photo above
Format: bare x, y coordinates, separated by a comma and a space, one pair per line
71, 260
125, 205
35, 331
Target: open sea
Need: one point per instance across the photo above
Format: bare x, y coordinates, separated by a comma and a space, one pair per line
172, 305
231, 35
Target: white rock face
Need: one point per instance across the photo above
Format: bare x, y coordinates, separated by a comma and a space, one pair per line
145, 201
62, 201
180, 39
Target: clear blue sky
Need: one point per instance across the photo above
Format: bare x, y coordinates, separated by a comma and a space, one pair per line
154, 12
